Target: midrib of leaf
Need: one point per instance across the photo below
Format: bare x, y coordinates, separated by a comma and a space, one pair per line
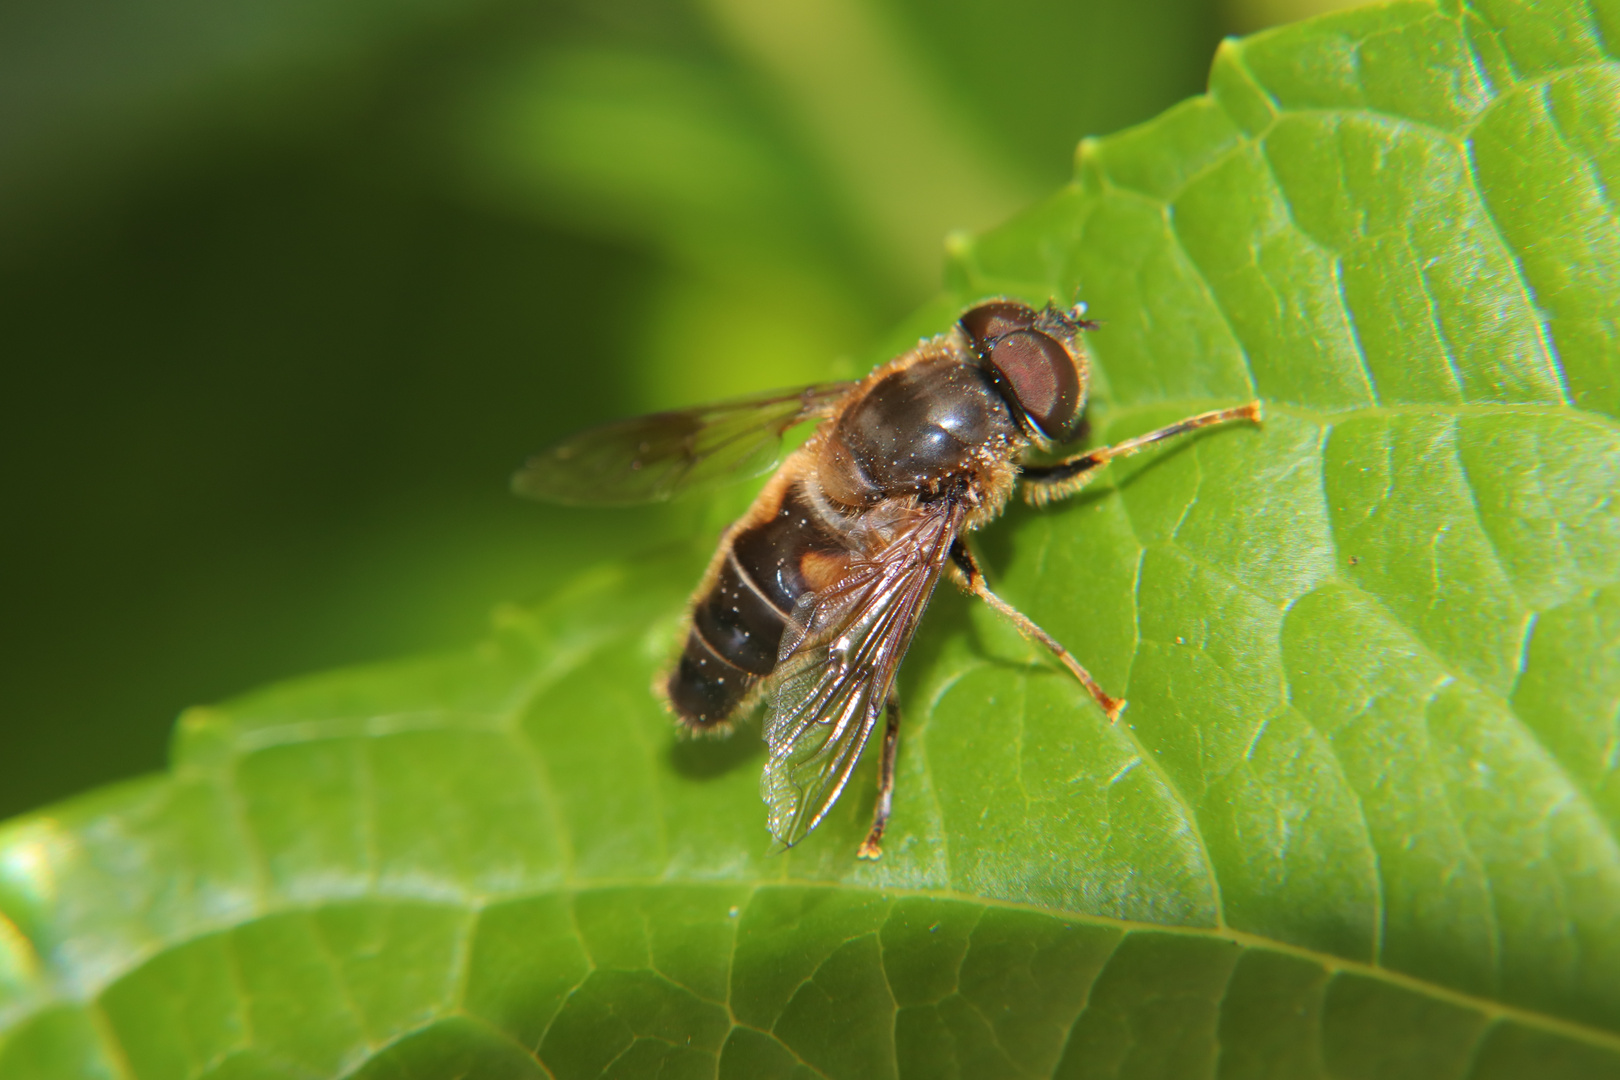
1490, 1009
558, 666
1493, 1010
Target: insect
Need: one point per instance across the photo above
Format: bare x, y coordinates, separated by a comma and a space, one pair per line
812, 597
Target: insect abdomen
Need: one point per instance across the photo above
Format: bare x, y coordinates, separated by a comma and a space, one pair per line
737, 624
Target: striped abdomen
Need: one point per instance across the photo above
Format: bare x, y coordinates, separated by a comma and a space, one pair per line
737, 623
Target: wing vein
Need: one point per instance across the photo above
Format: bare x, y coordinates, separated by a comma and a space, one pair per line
839, 661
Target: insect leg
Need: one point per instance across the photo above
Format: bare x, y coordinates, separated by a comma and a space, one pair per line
871, 847
974, 583
1064, 478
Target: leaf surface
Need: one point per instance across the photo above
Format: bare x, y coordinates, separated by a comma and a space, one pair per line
1359, 820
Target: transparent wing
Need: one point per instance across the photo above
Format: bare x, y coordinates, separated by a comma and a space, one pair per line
653, 458
840, 654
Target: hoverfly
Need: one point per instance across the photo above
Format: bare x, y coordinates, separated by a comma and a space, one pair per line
812, 597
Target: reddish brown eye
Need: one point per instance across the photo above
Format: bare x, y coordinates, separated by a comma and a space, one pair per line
989, 321
1043, 378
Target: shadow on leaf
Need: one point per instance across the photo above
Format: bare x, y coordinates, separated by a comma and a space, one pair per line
701, 759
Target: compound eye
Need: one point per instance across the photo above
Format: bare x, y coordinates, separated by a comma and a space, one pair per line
991, 320
1043, 377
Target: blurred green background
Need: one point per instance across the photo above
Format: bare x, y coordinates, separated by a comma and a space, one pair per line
288, 289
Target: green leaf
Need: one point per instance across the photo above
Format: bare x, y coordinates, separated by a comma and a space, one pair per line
1359, 821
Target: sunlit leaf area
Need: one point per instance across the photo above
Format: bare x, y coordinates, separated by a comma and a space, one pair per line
287, 293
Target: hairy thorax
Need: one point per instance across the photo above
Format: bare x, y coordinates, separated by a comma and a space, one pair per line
929, 426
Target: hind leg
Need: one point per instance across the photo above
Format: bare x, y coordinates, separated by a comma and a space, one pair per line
872, 846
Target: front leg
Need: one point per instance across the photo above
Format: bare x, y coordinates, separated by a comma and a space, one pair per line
1044, 483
